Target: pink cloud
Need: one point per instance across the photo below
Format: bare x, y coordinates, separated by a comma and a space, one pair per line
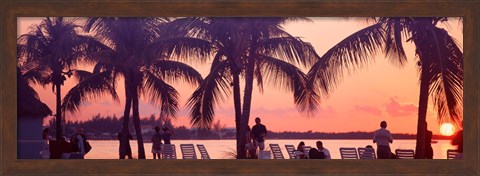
369, 109
396, 109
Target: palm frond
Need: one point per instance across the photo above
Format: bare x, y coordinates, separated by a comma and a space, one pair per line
444, 60
90, 88
172, 71
203, 100
291, 49
393, 44
182, 48
290, 78
161, 94
351, 53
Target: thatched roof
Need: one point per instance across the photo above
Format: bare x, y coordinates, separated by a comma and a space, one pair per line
28, 103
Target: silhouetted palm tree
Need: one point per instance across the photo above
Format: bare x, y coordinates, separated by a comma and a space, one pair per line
138, 53
53, 48
440, 63
254, 48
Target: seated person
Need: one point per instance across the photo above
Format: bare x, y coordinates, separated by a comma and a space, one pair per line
323, 150
300, 150
315, 154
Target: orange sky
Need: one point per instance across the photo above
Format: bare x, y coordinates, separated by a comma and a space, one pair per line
379, 92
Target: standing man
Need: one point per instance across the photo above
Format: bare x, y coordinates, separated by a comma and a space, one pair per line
383, 138
259, 131
156, 143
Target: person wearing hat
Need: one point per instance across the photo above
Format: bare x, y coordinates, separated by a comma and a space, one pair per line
78, 144
167, 133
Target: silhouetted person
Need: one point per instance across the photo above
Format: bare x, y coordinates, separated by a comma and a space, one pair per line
45, 152
300, 148
78, 144
458, 141
156, 143
428, 144
259, 131
323, 151
315, 154
249, 144
167, 134
383, 138
127, 151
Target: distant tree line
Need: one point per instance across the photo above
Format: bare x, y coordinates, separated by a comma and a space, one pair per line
100, 127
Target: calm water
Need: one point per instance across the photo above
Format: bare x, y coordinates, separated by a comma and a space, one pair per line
219, 149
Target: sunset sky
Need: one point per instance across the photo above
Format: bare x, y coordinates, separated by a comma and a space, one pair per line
382, 91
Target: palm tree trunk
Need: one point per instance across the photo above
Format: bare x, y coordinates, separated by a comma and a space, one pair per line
422, 115
124, 147
136, 123
58, 115
238, 107
247, 99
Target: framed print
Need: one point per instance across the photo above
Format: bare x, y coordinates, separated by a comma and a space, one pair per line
15, 13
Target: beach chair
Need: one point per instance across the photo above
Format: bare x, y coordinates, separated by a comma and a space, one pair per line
405, 153
276, 151
348, 153
452, 153
366, 153
306, 149
291, 151
188, 151
168, 151
203, 151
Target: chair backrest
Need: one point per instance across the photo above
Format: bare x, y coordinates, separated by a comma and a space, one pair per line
306, 149
405, 153
291, 151
203, 151
452, 153
366, 153
168, 151
276, 151
348, 153
188, 151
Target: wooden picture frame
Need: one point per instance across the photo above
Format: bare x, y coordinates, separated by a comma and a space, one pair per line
10, 10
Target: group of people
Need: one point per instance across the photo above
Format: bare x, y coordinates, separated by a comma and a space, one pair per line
157, 140
255, 139
383, 138
78, 143
314, 153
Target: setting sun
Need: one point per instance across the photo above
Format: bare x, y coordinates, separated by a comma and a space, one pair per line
447, 129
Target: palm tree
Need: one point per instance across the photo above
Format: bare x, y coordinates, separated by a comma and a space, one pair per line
137, 53
440, 64
255, 48
54, 46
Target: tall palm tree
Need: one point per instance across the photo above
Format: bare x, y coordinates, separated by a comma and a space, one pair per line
55, 46
254, 48
139, 54
440, 64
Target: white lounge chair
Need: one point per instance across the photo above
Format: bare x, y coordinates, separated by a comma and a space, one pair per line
276, 151
452, 153
405, 153
366, 153
168, 151
188, 151
203, 151
291, 151
348, 153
